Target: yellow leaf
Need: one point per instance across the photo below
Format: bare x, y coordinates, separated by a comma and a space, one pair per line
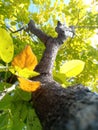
28, 85
72, 68
25, 72
26, 59
6, 46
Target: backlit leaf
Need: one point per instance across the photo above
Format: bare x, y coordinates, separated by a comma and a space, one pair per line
72, 68
26, 59
59, 77
25, 72
28, 85
6, 46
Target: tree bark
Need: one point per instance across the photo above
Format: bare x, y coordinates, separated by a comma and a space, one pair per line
73, 108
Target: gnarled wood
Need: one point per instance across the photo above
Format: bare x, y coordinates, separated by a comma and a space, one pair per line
74, 108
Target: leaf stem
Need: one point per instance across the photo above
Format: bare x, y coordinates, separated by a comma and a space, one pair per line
6, 72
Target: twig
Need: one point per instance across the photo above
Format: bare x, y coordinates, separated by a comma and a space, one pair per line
86, 26
2, 94
20, 29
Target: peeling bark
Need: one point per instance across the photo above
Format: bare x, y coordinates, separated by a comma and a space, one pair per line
73, 108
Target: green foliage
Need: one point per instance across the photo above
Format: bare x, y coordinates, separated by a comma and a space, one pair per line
17, 113
15, 107
33, 121
4, 121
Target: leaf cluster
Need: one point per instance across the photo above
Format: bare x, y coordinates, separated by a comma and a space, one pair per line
15, 105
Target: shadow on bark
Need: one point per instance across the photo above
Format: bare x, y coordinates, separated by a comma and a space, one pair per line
73, 108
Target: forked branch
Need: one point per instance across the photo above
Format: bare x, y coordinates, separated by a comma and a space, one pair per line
52, 45
73, 108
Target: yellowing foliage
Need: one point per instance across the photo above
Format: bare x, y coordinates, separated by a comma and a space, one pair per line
28, 85
72, 68
6, 46
26, 59
23, 64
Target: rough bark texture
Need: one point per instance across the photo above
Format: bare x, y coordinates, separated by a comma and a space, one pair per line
74, 108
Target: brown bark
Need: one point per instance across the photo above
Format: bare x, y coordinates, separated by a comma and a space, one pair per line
74, 108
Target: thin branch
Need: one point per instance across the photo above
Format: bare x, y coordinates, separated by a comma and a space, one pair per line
85, 26
37, 32
2, 94
20, 29
42, 36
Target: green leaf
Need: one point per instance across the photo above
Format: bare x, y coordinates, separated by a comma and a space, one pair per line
72, 68
20, 95
16, 109
13, 23
59, 77
6, 46
2, 85
25, 72
18, 125
33, 122
23, 95
5, 102
4, 121
24, 111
